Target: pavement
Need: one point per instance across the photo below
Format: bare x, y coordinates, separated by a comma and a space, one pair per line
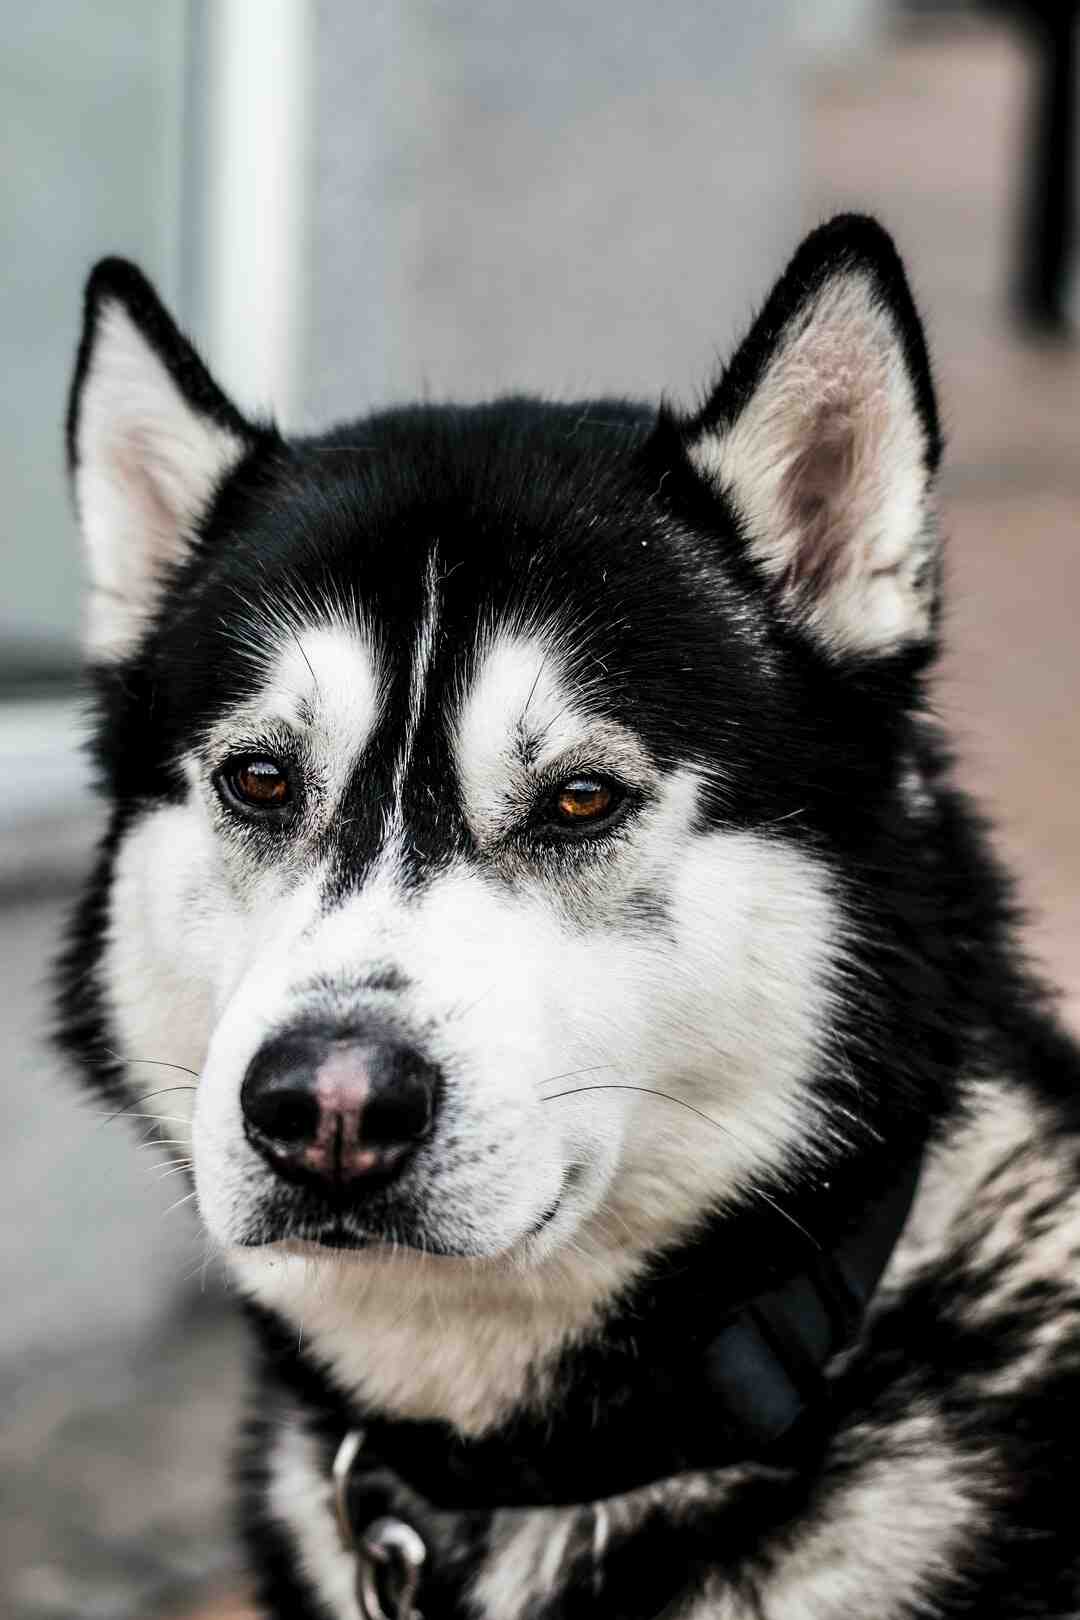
119, 1392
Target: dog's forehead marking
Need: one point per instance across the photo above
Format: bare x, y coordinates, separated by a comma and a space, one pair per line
325, 682
523, 712
517, 699
327, 677
516, 708
423, 657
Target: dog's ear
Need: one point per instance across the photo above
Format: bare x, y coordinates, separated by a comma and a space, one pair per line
150, 440
823, 436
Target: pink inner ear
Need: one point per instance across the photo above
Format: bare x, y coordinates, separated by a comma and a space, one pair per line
827, 463
818, 492
133, 464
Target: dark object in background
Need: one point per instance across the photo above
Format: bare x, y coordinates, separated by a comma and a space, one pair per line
1046, 219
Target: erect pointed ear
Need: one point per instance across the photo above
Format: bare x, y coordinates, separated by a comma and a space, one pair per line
823, 435
150, 440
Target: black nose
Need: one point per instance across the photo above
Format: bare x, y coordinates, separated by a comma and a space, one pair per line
339, 1108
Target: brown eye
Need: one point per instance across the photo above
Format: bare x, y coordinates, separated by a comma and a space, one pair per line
584, 799
256, 783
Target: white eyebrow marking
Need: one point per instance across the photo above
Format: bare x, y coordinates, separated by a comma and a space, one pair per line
325, 681
522, 715
517, 700
327, 677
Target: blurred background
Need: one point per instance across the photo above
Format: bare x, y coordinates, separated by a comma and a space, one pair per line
348, 202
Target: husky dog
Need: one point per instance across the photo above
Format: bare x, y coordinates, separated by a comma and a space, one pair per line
653, 1176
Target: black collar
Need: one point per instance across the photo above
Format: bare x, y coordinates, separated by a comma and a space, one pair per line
751, 1384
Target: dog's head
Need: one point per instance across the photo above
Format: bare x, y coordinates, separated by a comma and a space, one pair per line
498, 792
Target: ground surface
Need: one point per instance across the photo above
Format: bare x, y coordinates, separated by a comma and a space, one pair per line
112, 1501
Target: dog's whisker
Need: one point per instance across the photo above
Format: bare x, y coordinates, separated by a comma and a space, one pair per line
180, 1202
667, 1096
791, 815
154, 1063
470, 1006
144, 1096
572, 1074
758, 1192
648, 1091
173, 1119
201, 1268
175, 1170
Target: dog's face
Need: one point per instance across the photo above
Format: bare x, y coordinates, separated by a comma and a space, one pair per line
483, 778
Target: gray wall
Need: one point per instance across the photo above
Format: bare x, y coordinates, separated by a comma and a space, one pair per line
555, 197
560, 197
90, 163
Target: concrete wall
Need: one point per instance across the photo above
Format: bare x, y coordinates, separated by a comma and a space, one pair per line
557, 197
498, 195
90, 163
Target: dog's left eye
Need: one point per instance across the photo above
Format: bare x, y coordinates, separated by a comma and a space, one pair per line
254, 782
584, 801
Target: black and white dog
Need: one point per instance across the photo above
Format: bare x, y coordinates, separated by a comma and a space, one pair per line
654, 1178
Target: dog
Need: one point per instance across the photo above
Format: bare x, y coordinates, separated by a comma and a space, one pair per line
536, 907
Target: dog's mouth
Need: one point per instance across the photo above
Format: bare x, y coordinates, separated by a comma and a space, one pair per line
339, 1239
571, 1180
549, 1214
325, 1232
320, 1234
340, 1242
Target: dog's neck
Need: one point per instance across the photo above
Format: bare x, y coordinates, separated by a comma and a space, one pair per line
716, 1353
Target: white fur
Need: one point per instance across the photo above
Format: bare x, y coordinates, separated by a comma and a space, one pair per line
423, 656
169, 934
300, 1496
147, 468
524, 1565
840, 361
327, 676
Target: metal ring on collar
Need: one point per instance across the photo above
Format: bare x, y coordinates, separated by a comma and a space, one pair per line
344, 1457
390, 1557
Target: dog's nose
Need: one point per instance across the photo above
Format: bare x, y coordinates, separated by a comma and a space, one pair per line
337, 1108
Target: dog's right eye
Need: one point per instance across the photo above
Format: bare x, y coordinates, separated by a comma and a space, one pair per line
254, 783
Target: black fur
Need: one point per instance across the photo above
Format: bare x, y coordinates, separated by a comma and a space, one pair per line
595, 512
